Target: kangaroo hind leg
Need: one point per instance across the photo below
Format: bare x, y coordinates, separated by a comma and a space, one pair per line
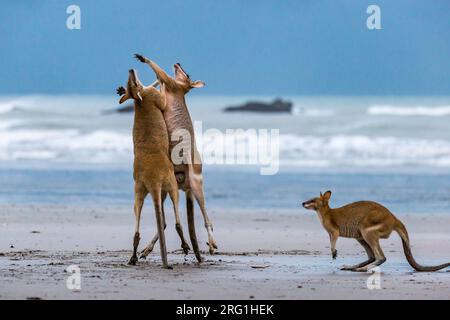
373, 240
197, 190
149, 248
370, 255
173, 193
157, 202
191, 225
140, 193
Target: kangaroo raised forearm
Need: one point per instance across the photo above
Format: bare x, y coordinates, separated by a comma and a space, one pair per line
160, 73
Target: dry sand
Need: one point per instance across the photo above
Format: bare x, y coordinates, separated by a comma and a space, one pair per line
263, 254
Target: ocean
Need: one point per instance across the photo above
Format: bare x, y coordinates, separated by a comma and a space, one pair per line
396, 150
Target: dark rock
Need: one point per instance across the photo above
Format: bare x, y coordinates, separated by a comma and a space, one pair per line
125, 109
277, 105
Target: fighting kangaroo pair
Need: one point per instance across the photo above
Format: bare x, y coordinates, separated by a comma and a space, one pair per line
160, 115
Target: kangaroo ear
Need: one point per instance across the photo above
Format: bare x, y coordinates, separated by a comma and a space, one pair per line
321, 195
197, 84
327, 195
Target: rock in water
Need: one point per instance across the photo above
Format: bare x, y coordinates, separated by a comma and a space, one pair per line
278, 105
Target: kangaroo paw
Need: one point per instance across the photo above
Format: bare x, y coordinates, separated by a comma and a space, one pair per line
120, 91
141, 58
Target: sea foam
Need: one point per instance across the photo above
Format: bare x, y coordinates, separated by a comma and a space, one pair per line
438, 111
106, 146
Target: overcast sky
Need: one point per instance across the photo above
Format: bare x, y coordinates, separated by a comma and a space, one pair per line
235, 46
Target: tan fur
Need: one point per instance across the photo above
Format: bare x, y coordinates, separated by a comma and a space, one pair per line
367, 222
189, 176
153, 171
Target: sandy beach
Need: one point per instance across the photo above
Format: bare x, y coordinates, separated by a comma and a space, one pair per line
291, 105
263, 254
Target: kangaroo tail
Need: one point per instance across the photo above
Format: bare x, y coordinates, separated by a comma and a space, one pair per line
191, 225
401, 230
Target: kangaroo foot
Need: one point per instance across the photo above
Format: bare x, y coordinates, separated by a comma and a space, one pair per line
348, 268
143, 256
199, 258
356, 266
362, 269
212, 245
185, 248
133, 260
146, 251
370, 266
334, 254
366, 268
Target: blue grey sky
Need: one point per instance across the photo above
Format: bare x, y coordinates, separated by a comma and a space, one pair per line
266, 47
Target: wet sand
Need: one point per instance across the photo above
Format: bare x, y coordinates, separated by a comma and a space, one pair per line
263, 254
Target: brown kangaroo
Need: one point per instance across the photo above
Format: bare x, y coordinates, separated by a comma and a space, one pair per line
189, 171
153, 170
367, 222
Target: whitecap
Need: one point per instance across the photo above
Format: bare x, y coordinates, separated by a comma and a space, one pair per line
437, 111
360, 150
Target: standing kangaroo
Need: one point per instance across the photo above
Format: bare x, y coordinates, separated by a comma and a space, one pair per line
367, 222
189, 172
153, 170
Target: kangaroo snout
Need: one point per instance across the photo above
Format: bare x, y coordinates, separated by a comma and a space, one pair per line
310, 204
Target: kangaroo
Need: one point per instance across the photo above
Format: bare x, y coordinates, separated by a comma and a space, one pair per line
367, 222
189, 172
153, 171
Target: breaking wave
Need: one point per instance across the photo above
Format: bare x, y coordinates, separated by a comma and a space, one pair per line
106, 146
66, 146
438, 111
363, 151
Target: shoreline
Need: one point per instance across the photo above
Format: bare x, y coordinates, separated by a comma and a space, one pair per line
285, 167
263, 253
